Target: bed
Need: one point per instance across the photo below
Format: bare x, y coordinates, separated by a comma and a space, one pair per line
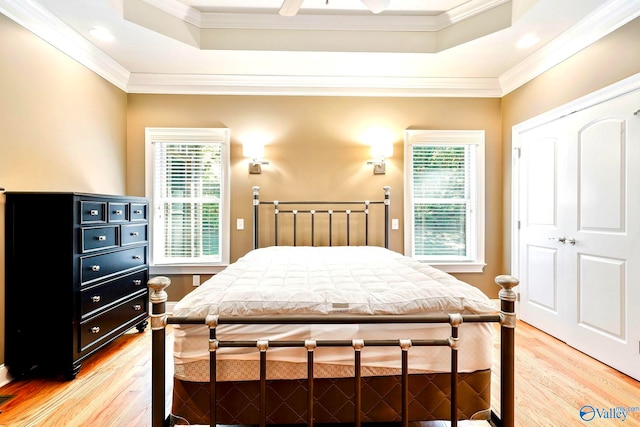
322, 333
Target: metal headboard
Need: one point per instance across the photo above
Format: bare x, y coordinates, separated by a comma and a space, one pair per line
360, 207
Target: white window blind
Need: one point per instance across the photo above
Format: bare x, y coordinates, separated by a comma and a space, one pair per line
442, 202
188, 199
445, 178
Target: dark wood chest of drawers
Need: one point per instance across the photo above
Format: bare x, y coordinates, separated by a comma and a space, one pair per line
76, 274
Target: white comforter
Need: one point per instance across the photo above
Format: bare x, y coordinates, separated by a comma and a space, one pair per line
325, 280
322, 280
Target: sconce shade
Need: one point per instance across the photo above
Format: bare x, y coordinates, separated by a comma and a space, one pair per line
382, 150
253, 150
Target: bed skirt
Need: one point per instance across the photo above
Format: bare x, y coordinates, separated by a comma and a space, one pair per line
286, 401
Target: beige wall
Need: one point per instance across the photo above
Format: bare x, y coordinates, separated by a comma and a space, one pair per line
63, 129
316, 152
610, 60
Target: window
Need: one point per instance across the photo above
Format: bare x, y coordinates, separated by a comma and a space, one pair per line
445, 198
188, 185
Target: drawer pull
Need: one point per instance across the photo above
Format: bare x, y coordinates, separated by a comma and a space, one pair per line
96, 298
135, 233
137, 257
137, 307
118, 212
95, 268
137, 212
93, 212
102, 238
95, 329
137, 282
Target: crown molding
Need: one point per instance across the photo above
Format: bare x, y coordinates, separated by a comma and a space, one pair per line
313, 85
608, 18
323, 22
52, 30
321, 32
466, 11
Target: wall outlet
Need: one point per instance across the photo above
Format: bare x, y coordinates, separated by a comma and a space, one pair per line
196, 279
240, 224
395, 225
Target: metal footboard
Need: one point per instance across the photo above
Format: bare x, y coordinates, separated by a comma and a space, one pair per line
506, 318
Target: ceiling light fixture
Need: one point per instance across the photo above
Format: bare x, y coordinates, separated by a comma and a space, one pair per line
102, 34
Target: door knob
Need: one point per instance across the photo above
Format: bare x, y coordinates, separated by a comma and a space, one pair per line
572, 241
559, 239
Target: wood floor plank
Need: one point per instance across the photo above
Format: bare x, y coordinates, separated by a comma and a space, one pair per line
113, 388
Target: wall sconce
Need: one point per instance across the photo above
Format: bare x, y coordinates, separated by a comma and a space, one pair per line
380, 151
255, 152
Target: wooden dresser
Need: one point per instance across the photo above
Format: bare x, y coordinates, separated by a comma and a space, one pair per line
76, 274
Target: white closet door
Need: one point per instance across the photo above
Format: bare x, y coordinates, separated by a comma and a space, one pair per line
602, 299
542, 227
580, 230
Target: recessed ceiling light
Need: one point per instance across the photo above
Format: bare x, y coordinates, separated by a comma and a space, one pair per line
101, 34
527, 41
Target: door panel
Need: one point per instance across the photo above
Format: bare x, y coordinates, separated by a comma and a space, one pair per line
543, 287
541, 180
601, 176
601, 296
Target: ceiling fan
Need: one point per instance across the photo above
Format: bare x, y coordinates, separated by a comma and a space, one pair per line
291, 7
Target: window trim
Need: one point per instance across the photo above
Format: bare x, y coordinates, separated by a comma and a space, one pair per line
447, 137
203, 135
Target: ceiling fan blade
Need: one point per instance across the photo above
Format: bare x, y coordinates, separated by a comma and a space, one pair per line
376, 6
290, 7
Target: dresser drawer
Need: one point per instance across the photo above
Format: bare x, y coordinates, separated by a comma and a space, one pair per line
93, 212
99, 238
96, 297
98, 266
94, 329
134, 234
118, 212
138, 212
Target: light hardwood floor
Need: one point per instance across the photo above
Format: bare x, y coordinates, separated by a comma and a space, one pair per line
553, 382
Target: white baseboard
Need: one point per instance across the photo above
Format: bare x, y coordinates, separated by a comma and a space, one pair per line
5, 378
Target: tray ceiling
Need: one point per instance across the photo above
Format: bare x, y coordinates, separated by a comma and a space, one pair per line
334, 47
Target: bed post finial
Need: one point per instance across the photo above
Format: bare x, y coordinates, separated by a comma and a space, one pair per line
157, 287
507, 283
507, 347
256, 204
158, 299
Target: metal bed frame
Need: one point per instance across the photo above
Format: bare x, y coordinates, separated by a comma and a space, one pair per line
361, 207
506, 318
